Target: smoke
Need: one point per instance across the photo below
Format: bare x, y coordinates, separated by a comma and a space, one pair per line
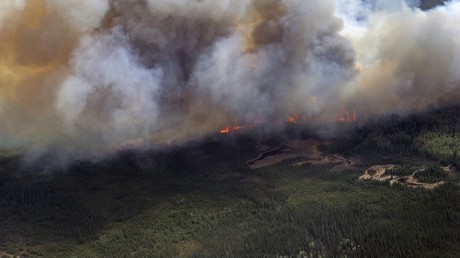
408, 59
80, 77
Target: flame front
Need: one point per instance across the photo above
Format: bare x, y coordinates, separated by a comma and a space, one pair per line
229, 129
344, 116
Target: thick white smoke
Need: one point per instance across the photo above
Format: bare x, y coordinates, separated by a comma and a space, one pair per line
108, 83
408, 59
81, 76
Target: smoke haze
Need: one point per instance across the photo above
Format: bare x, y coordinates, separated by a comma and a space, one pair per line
80, 76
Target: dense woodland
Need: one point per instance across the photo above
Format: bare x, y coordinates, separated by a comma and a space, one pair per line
435, 134
203, 201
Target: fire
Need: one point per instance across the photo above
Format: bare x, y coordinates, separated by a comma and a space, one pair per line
229, 129
225, 130
347, 116
344, 116
293, 119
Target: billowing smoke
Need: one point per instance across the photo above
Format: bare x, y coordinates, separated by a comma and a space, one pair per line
80, 76
408, 59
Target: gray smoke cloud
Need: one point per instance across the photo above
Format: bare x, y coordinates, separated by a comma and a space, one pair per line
83, 76
408, 59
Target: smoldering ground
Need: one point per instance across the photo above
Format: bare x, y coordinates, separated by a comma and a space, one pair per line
81, 76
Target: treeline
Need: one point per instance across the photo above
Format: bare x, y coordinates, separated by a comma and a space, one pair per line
435, 134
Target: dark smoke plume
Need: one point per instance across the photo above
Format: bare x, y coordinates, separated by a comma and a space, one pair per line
82, 76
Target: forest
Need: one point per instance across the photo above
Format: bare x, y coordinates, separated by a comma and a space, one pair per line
202, 200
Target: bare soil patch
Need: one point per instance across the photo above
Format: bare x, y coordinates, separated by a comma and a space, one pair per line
449, 170
379, 173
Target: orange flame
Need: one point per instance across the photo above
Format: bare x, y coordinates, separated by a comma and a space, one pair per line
225, 130
229, 129
293, 119
347, 116
343, 116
